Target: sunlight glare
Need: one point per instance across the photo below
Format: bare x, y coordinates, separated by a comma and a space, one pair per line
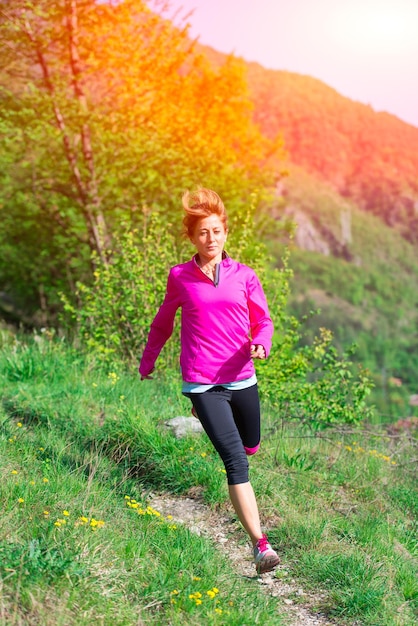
375, 27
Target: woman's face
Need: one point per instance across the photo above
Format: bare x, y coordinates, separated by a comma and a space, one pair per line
209, 238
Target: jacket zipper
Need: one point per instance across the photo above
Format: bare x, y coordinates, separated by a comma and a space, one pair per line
217, 272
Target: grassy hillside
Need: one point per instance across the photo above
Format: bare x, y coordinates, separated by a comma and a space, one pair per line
81, 450
366, 287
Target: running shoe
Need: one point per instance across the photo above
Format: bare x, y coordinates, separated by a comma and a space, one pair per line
265, 558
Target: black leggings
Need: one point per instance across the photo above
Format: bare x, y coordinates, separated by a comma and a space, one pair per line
231, 420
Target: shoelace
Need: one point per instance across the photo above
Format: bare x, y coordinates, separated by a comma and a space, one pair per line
263, 544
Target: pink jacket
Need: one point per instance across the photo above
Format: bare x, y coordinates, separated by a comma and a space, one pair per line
217, 321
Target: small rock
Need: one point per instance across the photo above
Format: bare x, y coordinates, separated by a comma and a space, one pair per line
183, 426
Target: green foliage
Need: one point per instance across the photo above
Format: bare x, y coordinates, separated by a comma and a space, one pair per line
119, 115
37, 560
312, 382
113, 314
364, 291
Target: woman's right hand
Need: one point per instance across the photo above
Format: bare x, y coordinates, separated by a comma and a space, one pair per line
257, 351
146, 376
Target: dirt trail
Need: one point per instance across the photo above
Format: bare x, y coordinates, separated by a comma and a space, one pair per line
296, 606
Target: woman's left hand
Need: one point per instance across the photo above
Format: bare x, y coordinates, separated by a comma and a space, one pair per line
257, 351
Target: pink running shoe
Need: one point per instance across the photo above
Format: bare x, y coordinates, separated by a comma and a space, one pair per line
265, 558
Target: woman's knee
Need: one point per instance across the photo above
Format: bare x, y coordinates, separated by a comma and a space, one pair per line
236, 469
251, 451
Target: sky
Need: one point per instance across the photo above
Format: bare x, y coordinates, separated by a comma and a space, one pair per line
365, 49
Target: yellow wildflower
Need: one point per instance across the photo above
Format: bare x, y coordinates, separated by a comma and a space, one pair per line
211, 594
46, 513
31, 482
96, 523
203, 454
197, 578
45, 480
219, 611
19, 424
195, 596
197, 601
14, 471
66, 513
20, 500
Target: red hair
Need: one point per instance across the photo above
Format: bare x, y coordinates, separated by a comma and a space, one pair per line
200, 204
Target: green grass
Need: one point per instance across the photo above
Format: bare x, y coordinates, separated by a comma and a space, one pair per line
341, 507
58, 565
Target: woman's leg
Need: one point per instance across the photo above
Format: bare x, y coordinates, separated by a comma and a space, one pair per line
234, 429
245, 505
226, 423
245, 405
215, 414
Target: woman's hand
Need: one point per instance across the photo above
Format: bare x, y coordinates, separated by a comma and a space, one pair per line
147, 376
257, 351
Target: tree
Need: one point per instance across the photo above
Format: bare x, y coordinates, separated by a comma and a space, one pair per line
107, 110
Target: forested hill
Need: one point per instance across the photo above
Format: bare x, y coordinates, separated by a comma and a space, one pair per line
369, 157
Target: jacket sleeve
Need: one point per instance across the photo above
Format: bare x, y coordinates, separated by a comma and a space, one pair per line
161, 327
260, 321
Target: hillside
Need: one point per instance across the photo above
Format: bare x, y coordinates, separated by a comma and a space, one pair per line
109, 519
369, 157
361, 275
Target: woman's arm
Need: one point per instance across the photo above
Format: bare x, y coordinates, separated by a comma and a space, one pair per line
161, 328
260, 321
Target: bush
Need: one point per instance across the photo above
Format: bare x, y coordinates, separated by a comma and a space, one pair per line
114, 313
309, 382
